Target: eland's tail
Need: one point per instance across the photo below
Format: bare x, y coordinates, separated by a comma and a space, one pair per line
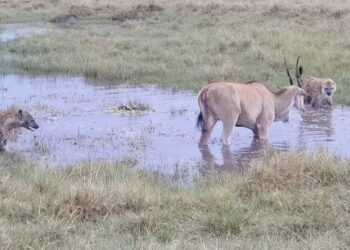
200, 121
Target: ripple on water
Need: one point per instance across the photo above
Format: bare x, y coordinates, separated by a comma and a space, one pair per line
74, 126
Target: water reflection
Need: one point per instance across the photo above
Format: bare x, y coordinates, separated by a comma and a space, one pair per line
236, 161
75, 126
316, 124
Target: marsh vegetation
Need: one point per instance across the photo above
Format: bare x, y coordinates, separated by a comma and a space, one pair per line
181, 44
285, 200
131, 107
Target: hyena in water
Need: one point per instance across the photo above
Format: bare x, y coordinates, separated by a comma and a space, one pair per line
319, 90
11, 120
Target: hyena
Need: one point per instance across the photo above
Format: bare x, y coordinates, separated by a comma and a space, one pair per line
319, 90
13, 119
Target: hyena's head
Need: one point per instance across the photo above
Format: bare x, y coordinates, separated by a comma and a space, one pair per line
27, 121
328, 88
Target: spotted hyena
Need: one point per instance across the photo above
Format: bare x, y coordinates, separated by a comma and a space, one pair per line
11, 120
319, 91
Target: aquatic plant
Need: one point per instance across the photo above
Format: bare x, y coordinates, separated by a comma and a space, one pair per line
132, 107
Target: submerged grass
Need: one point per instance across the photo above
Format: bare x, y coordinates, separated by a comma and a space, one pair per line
132, 107
286, 201
182, 44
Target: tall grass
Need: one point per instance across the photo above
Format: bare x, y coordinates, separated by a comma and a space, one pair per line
286, 201
183, 44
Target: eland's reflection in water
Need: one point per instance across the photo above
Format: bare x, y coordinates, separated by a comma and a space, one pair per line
236, 161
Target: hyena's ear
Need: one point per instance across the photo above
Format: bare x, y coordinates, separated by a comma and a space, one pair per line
20, 112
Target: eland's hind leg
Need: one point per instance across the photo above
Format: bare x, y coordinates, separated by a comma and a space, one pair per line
228, 125
209, 123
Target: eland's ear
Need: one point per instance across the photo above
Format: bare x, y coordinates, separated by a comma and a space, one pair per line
20, 112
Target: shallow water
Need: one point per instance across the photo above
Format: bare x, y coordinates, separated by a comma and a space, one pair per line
74, 126
15, 31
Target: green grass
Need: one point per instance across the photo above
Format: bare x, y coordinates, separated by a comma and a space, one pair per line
185, 44
285, 201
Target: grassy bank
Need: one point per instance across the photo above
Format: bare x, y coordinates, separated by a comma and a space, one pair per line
286, 201
182, 44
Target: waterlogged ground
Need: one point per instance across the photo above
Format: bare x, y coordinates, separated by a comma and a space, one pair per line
11, 32
77, 122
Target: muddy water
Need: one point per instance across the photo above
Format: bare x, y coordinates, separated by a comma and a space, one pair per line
74, 126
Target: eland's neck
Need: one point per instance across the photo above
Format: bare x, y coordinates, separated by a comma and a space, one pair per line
283, 101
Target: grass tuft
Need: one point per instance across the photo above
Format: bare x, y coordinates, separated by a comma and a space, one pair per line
140, 12
285, 201
132, 107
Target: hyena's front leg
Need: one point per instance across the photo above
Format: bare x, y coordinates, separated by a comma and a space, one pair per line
3, 141
2, 145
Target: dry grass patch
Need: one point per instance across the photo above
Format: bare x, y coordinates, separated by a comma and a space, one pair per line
138, 12
288, 200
